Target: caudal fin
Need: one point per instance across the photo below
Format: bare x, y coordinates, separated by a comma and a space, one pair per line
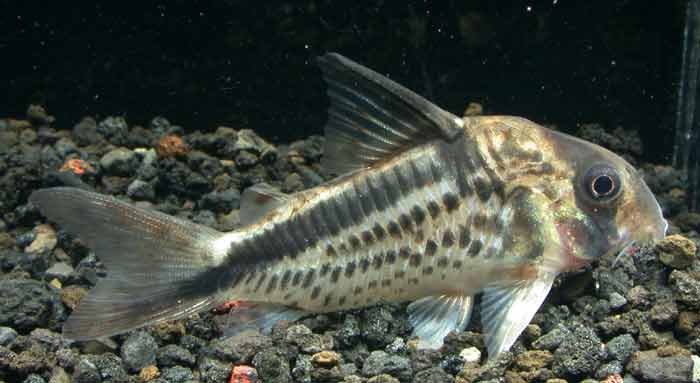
158, 267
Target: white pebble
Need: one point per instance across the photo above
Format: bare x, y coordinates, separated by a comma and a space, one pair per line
471, 354
696, 368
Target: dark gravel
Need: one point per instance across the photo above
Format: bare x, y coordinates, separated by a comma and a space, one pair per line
639, 320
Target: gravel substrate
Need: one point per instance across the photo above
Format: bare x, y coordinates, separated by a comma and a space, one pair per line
639, 320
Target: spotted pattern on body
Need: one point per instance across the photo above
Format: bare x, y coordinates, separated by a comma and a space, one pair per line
386, 231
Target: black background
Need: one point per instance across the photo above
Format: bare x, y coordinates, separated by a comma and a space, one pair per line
250, 64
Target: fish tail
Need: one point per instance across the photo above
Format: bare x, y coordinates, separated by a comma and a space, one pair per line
158, 267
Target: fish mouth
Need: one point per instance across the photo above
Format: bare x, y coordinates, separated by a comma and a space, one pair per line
627, 248
632, 245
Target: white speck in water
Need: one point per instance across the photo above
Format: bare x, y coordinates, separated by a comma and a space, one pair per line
554, 2
528, 8
613, 63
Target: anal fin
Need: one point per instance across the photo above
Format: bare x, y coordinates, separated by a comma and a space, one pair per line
506, 311
261, 316
434, 317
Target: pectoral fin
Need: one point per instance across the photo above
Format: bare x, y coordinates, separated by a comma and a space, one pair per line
434, 317
506, 311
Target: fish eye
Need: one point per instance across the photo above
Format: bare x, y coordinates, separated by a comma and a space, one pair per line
602, 183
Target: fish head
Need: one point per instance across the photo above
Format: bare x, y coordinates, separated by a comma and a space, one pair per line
602, 204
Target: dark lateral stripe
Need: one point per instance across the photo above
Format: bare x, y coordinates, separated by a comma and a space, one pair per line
420, 178
393, 194
262, 278
366, 203
286, 277
236, 279
323, 212
404, 186
291, 230
296, 231
464, 165
340, 209
379, 195
271, 247
350, 198
435, 173
242, 251
279, 233
250, 277
276, 240
272, 285
309, 278
297, 278
310, 232
316, 220
360, 199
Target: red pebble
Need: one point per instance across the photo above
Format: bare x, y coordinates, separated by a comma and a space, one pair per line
228, 306
244, 374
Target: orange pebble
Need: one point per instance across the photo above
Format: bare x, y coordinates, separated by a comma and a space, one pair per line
77, 166
171, 146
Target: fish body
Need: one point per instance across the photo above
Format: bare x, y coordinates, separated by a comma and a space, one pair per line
427, 208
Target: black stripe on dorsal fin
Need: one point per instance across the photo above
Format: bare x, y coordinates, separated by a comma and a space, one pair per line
372, 118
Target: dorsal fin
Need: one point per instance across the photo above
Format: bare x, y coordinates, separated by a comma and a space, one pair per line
372, 118
258, 200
